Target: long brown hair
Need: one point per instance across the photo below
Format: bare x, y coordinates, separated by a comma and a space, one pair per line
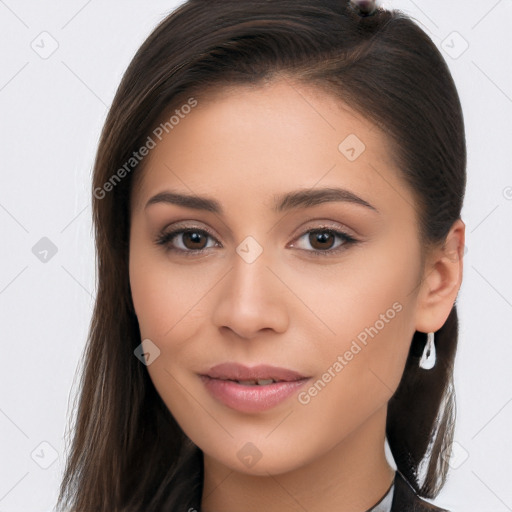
126, 444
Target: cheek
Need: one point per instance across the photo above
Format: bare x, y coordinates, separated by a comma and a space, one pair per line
371, 288
362, 365
165, 296
169, 309
369, 307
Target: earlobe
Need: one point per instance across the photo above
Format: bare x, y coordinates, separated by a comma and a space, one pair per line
441, 281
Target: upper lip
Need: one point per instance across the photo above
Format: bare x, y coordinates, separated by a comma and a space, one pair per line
235, 371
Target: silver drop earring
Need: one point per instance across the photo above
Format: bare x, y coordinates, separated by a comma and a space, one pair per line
428, 358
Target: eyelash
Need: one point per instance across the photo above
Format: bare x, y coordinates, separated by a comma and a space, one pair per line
164, 239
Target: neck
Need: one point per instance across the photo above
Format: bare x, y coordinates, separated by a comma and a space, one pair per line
351, 477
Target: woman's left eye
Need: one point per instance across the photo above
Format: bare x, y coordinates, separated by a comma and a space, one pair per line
322, 240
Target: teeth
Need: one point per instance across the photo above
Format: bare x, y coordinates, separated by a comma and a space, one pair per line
264, 382
260, 382
247, 382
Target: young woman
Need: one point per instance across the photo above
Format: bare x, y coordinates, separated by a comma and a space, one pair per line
277, 197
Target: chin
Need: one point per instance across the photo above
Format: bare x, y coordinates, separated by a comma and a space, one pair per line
250, 460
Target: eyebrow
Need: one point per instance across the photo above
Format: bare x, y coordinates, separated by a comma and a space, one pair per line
304, 198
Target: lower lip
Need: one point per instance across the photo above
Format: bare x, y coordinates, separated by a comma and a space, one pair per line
251, 398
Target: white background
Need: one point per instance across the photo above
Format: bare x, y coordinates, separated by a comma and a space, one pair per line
52, 111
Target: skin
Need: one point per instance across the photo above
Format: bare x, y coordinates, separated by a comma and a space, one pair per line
241, 146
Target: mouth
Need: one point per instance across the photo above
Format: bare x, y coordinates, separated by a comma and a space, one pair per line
251, 390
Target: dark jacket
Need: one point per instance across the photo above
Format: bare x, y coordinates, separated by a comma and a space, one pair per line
404, 497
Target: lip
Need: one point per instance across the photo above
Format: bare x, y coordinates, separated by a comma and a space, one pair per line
251, 398
235, 371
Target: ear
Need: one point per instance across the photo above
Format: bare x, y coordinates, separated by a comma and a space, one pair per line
442, 277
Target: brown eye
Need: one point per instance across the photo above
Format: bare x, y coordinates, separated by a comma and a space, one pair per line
186, 241
321, 239
194, 240
324, 241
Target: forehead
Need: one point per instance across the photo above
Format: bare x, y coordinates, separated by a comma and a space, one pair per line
269, 138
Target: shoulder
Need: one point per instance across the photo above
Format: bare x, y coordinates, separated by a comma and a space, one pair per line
405, 498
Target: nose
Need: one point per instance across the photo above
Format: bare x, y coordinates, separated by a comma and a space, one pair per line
251, 299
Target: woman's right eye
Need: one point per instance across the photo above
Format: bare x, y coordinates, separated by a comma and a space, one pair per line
191, 240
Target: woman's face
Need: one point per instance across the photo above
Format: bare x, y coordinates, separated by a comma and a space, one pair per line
253, 283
